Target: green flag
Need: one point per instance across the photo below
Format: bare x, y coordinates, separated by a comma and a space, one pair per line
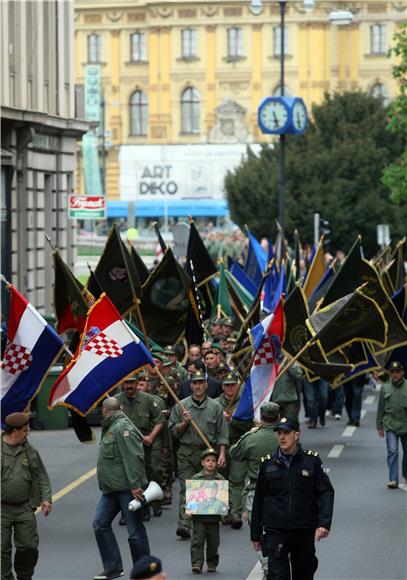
164, 304
354, 317
222, 306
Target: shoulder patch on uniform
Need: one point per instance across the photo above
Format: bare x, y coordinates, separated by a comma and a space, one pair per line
311, 452
265, 457
126, 433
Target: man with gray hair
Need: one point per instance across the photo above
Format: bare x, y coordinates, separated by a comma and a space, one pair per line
121, 476
261, 441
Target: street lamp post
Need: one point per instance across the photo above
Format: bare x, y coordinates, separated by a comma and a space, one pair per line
281, 196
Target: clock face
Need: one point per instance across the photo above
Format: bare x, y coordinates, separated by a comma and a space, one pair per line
274, 115
299, 116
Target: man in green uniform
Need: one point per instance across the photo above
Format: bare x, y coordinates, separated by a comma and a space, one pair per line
122, 478
259, 442
287, 392
391, 421
209, 417
24, 486
235, 471
145, 412
171, 355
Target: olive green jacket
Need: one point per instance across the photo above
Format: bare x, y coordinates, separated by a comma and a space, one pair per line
287, 389
253, 445
120, 464
208, 416
143, 410
26, 464
392, 408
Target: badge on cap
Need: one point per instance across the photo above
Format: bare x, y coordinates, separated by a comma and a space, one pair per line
283, 420
126, 433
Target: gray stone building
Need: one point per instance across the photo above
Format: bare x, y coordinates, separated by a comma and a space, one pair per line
39, 134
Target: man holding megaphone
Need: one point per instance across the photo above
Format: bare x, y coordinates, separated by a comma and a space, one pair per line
122, 478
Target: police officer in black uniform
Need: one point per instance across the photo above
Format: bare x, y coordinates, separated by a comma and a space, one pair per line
292, 506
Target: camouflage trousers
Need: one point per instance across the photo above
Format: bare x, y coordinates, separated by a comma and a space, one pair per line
249, 504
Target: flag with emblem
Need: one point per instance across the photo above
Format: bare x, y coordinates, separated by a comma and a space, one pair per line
108, 352
268, 338
32, 346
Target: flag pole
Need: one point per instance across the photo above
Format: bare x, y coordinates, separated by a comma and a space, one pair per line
133, 291
177, 400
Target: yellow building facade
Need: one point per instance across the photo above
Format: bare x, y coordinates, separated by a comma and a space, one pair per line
189, 72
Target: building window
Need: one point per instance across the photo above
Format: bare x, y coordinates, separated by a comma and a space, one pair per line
138, 113
381, 92
188, 43
277, 40
235, 42
94, 48
378, 40
138, 47
277, 91
190, 111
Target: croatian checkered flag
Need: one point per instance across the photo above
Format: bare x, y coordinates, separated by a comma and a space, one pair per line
268, 338
32, 346
108, 352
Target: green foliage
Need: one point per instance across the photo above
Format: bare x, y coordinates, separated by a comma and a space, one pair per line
335, 169
395, 175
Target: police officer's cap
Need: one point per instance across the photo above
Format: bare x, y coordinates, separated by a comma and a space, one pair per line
209, 451
231, 379
269, 411
17, 419
199, 376
396, 366
287, 424
146, 567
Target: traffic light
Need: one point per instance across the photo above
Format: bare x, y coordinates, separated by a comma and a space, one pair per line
325, 230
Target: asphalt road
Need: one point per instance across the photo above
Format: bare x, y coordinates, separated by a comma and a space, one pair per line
368, 539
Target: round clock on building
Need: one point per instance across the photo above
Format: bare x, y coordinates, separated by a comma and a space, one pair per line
299, 116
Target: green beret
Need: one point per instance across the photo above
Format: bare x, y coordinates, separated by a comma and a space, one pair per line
17, 419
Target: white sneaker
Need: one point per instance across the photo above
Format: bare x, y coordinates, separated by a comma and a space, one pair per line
338, 417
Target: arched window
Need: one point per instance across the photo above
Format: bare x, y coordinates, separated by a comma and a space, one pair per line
138, 113
190, 111
277, 91
381, 92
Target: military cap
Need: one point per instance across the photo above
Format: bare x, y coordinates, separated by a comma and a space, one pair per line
231, 338
209, 451
146, 567
199, 376
218, 321
269, 411
231, 379
227, 321
396, 366
17, 419
169, 350
133, 377
215, 349
143, 376
223, 367
287, 424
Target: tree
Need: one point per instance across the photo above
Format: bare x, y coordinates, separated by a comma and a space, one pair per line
395, 175
335, 169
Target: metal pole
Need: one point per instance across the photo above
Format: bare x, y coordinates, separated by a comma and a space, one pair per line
316, 228
281, 199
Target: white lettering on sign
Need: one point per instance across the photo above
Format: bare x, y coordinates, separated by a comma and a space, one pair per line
84, 202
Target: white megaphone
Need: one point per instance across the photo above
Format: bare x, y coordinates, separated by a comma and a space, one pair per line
153, 492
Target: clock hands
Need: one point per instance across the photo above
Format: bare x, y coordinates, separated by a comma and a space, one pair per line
275, 120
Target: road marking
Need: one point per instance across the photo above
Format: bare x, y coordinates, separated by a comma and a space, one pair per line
336, 451
256, 573
71, 486
370, 400
363, 413
349, 431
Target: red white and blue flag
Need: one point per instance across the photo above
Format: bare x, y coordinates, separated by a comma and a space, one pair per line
108, 352
268, 338
32, 346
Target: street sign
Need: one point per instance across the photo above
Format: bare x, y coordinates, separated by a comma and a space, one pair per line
87, 207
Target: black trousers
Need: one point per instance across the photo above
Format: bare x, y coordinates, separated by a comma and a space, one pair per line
299, 544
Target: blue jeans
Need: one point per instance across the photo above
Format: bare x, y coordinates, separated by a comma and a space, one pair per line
392, 444
109, 505
336, 398
316, 397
